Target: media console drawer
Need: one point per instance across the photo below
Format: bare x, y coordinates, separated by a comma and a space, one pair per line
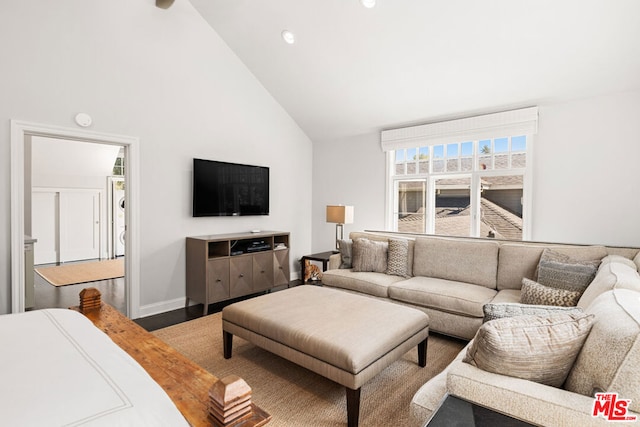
224, 266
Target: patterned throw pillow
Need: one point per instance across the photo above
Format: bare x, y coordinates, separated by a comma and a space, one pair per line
370, 255
345, 247
538, 294
535, 348
563, 272
397, 258
494, 311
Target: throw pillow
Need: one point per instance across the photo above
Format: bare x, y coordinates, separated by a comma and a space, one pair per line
560, 271
535, 348
397, 257
345, 247
538, 294
494, 311
370, 255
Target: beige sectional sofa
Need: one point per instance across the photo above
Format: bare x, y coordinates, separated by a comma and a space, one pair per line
451, 279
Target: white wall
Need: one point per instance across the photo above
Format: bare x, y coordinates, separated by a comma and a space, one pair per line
586, 185
163, 76
587, 171
350, 172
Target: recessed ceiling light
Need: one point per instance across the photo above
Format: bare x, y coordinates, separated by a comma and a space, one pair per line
368, 3
288, 37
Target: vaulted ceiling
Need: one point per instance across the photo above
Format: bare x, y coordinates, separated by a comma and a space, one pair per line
354, 70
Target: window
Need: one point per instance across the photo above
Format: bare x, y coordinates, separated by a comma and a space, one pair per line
118, 167
470, 187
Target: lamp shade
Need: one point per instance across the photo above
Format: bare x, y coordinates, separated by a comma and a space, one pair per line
340, 214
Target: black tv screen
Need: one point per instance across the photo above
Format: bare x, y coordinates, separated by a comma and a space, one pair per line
229, 189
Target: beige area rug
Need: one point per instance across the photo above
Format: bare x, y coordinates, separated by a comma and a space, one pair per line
295, 396
70, 274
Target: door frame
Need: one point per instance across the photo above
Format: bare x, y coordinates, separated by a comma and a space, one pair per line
20, 131
110, 201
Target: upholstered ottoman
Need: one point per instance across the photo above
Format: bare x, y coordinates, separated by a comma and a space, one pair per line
344, 337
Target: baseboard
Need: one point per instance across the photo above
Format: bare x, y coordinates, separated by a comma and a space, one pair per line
164, 306
161, 307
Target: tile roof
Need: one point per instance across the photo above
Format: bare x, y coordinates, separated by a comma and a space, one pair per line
455, 221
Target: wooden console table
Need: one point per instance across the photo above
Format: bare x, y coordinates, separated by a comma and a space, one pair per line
225, 266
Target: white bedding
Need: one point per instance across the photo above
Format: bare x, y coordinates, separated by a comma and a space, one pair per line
58, 369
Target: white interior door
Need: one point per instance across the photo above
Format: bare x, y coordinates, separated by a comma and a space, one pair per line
45, 226
66, 224
79, 225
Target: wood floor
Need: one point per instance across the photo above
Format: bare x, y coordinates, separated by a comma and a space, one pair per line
112, 290
49, 296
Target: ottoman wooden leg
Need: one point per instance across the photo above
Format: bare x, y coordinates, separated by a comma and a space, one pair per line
422, 353
353, 407
227, 344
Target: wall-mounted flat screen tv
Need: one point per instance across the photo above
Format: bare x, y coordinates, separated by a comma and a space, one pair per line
229, 189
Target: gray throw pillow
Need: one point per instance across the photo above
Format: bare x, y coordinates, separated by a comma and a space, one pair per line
538, 294
397, 257
345, 246
560, 271
494, 311
370, 255
535, 348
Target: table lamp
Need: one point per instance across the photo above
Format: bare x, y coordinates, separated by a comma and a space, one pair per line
340, 215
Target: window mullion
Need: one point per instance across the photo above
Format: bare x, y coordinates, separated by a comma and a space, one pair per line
475, 196
431, 205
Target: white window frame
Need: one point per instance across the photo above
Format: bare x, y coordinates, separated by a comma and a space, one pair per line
476, 129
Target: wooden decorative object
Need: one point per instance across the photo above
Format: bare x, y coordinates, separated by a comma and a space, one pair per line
90, 299
186, 383
230, 401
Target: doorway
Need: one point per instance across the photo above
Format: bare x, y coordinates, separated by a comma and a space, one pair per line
22, 134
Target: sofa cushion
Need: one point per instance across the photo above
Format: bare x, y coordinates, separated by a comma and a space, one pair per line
636, 260
346, 253
473, 262
610, 357
370, 255
397, 258
581, 253
507, 296
538, 294
561, 271
385, 238
517, 261
520, 260
498, 311
445, 295
532, 402
375, 284
535, 348
615, 272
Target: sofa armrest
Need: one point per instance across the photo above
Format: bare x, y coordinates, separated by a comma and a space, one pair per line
334, 262
522, 399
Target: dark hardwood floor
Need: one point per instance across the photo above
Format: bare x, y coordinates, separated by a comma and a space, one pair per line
49, 296
162, 320
112, 290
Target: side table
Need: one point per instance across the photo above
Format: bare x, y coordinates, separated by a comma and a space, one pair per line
458, 412
320, 256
